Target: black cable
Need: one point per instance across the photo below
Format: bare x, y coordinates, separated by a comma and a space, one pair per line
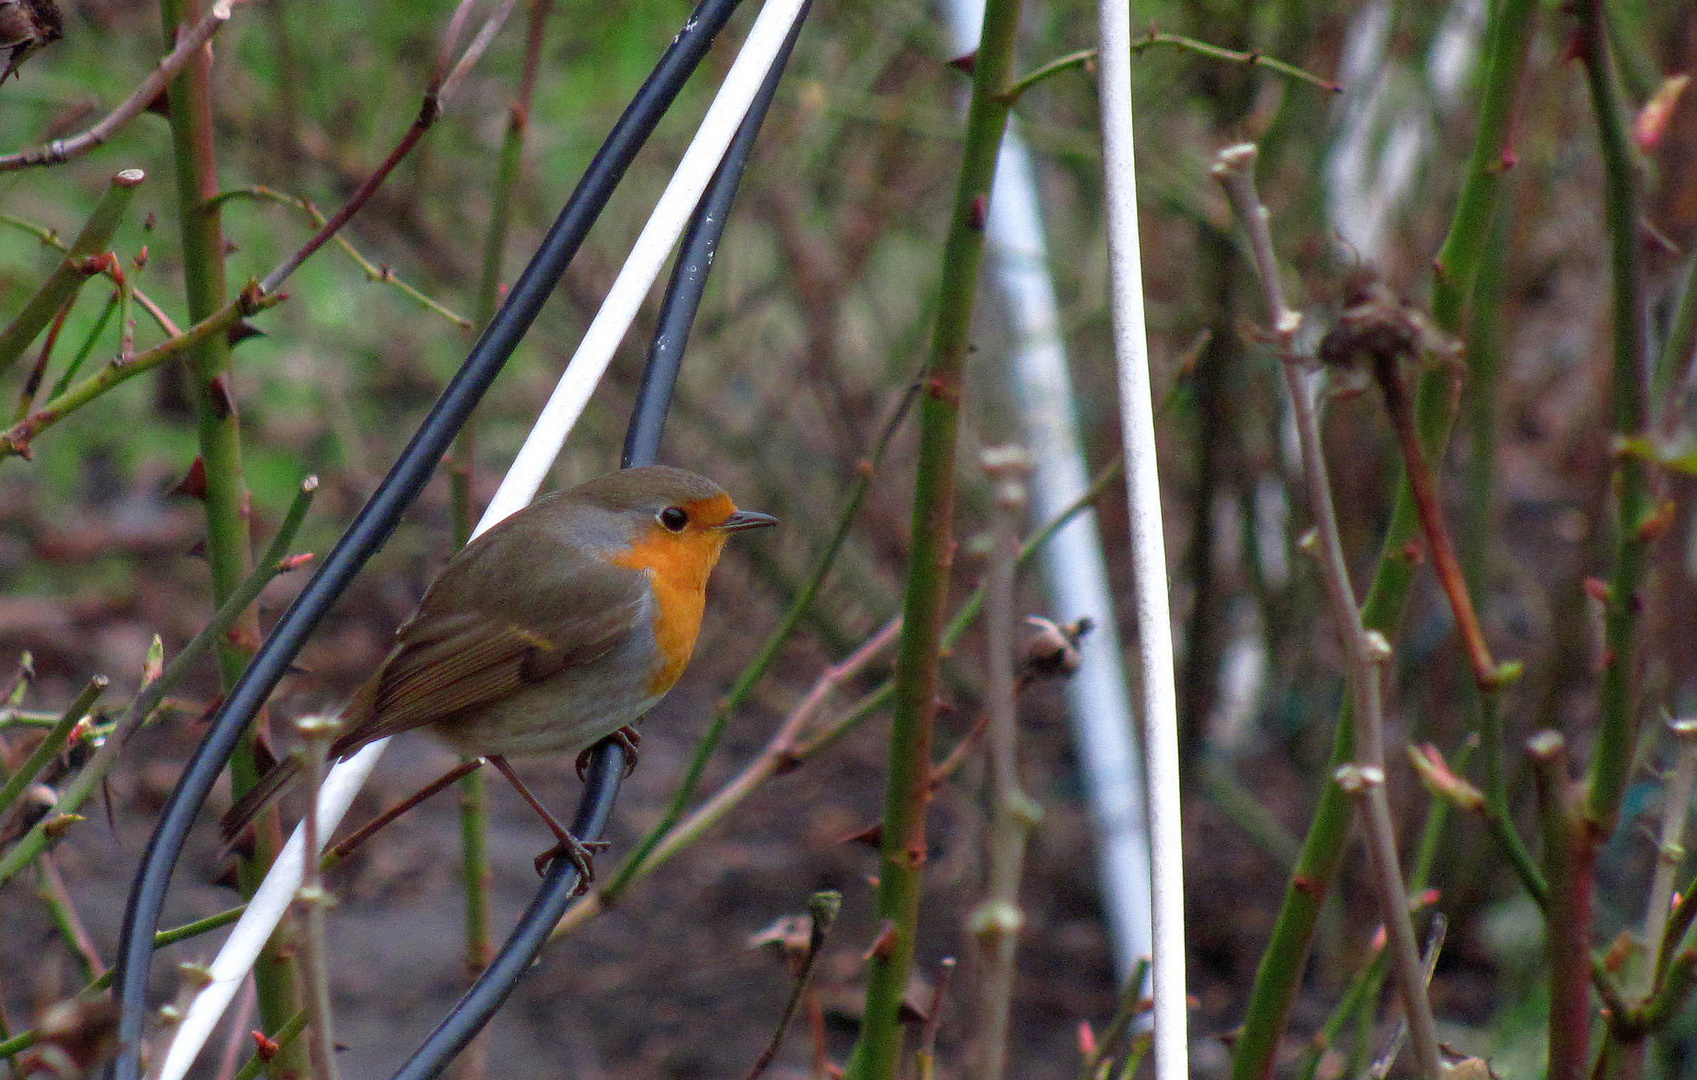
378, 518
642, 443
519, 951
689, 272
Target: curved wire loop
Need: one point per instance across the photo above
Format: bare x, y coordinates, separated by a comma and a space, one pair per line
642, 445
377, 519
689, 271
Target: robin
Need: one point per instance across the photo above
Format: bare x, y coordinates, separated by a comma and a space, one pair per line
557, 628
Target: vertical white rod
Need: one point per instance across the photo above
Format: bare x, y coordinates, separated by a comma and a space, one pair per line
1148, 548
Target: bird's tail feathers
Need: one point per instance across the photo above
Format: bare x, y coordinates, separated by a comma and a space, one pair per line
270, 788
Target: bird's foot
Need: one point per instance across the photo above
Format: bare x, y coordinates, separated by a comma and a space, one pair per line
581, 854
627, 737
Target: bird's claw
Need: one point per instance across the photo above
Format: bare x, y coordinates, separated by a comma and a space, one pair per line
581, 854
627, 737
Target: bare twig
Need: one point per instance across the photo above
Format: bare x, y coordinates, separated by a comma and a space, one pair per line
436, 98
997, 920
380, 274
1085, 58
1366, 652
65, 917
822, 910
62, 150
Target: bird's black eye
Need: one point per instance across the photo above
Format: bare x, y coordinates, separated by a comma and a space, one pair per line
673, 518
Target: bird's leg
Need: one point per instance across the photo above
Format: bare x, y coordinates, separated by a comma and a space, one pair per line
581, 854
364, 833
627, 737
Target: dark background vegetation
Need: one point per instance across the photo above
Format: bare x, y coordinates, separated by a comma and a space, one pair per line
815, 321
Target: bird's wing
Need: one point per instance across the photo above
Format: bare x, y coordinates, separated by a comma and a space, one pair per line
449, 664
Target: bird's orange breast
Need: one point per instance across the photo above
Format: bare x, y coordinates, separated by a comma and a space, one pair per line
677, 565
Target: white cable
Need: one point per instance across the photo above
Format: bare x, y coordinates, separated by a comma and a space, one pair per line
1148, 547
523, 479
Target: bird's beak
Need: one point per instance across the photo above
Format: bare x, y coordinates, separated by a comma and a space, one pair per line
745, 519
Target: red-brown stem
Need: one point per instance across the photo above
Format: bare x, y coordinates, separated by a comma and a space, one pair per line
1431, 511
32, 381
1570, 853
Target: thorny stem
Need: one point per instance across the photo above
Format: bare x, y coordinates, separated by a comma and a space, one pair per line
111, 270
1611, 762
51, 743
73, 270
281, 1041
903, 845
1366, 653
189, 95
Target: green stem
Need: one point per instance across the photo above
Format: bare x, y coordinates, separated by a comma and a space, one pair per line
16, 439
1611, 762
228, 539
1680, 348
903, 844
475, 875
52, 743
86, 349
73, 269
284, 1040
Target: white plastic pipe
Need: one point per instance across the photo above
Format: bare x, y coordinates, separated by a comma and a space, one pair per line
1148, 546
522, 481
